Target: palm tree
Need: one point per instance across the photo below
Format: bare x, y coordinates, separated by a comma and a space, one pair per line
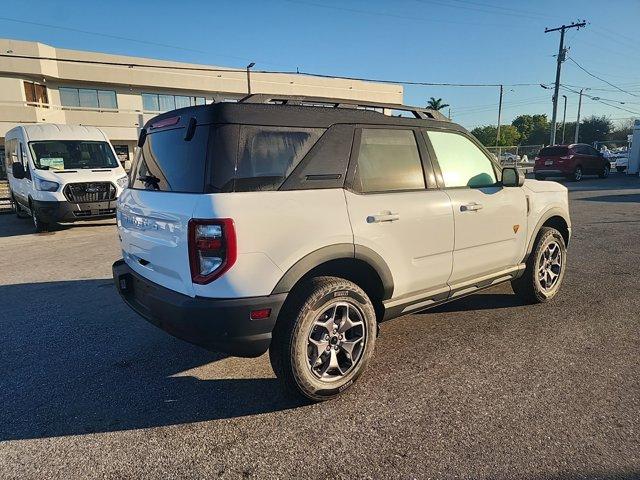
436, 104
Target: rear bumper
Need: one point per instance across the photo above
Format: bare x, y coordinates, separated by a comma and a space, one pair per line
51, 212
222, 325
549, 172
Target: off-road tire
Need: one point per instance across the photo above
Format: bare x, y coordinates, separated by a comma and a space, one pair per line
528, 287
289, 346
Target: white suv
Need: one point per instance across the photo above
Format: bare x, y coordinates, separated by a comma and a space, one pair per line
296, 228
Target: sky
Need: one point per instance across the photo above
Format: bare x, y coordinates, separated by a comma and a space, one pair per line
435, 41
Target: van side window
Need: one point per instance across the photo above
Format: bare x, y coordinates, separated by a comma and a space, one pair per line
388, 160
462, 163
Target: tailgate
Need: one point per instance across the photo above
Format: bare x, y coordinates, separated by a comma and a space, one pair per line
153, 229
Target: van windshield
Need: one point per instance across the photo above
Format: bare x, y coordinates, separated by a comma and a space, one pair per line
72, 155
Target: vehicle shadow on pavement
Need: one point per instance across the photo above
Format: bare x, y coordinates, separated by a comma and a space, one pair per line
13, 226
75, 360
480, 301
624, 198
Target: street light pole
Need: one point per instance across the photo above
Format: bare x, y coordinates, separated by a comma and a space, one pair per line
564, 117
249, 67
575, 140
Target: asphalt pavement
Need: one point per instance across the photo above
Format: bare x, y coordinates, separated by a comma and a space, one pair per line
481, 388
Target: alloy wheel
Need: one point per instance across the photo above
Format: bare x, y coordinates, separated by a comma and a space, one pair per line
550, 266
336, 341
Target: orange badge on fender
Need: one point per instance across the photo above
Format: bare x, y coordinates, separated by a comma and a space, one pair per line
516, 228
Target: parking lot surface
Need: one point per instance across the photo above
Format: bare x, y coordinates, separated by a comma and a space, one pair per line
481, 388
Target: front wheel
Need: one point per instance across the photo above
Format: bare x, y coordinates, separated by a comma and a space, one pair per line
38, 224
324, 338
605, 171
545, 268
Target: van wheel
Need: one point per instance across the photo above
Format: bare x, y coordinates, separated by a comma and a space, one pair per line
545, 268
576, 176
621, 169
324, 338
605, 172
38, 224
18, 210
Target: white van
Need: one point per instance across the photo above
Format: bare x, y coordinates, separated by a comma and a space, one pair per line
62, 173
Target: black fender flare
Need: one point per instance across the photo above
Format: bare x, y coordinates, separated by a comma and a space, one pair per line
552, 212
336, 252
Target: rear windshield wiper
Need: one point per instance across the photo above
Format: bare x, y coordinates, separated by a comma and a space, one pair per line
150, 181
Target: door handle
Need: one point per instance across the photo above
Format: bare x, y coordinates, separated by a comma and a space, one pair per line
383, 217
471, 207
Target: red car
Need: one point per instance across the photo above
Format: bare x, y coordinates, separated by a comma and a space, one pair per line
571, 161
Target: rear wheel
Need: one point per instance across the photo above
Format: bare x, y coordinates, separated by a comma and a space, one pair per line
576, 176
545, 268
605, 171
621, 169
324, 338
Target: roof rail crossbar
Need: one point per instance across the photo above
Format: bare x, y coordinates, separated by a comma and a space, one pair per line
418, 112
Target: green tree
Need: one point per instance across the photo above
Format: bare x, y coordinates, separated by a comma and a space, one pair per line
595, 129
533, 129
509, 135
436, 104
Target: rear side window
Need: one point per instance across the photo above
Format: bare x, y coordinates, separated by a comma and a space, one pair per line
168, 163
553, 152
268, 155
388, 160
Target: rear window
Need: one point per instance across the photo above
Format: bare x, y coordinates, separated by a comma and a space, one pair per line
222, 158
168, 163
553, 151
268, 155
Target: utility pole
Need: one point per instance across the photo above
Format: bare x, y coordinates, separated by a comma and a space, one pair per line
564, 117
560, 59
575, 140
499, 118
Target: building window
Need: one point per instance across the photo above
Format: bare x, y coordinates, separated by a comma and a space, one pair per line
88, 98
35, 94
154, 102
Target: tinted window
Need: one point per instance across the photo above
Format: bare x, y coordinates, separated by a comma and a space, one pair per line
462, 163
388, 160
168, 163
553, 151
268, 155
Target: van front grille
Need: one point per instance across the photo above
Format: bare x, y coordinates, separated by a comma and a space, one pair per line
90, 192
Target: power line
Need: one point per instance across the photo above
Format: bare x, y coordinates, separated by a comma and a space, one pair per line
128, 39
237, 70
600, 100
601, 79
474, 8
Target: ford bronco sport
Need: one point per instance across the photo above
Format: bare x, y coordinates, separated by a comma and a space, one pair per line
296, 225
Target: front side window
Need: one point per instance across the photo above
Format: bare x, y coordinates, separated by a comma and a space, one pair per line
388, 160
71, 155
461, 162
268, 155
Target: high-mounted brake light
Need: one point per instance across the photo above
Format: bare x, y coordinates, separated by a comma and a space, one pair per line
212, 248
165, 122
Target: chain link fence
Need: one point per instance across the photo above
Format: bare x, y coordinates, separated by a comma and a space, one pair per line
520, 156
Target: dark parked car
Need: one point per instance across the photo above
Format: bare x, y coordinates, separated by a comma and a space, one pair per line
571, 161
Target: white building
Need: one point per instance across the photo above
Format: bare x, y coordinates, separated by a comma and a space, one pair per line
40, 83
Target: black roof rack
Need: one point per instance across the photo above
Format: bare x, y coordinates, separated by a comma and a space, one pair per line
418, 112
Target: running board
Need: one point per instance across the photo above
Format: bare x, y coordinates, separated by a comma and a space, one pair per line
396, 307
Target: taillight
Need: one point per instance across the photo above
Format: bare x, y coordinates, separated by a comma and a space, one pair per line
212, 248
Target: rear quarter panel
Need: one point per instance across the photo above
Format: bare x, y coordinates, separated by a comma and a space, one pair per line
274, 229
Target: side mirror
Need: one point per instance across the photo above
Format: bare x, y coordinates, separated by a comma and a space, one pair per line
17, 170
512, 177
